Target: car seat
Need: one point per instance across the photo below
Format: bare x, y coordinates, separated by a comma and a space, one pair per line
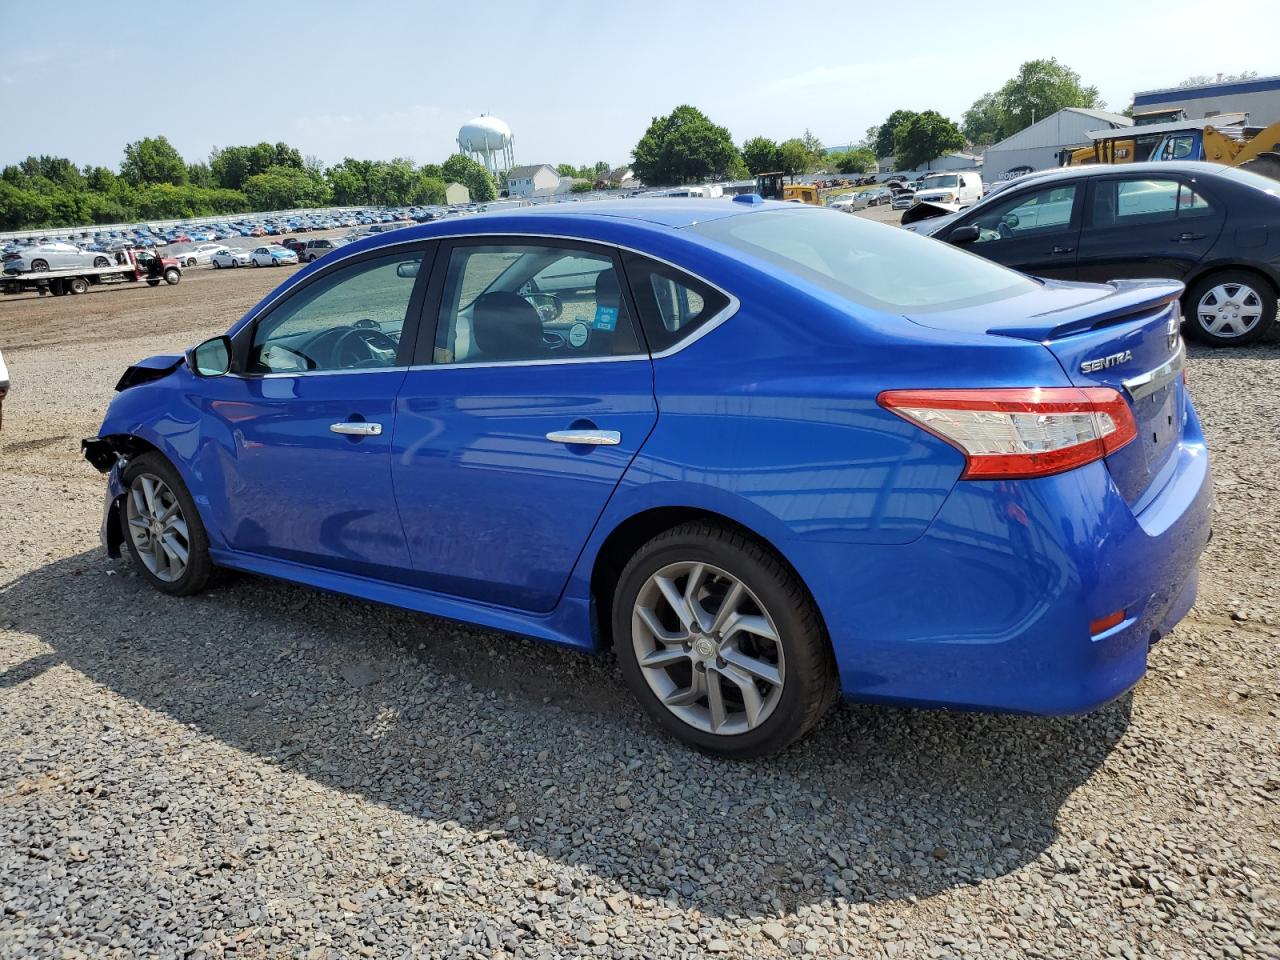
505, 326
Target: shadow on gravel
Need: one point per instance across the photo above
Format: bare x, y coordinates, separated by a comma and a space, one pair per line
444, 722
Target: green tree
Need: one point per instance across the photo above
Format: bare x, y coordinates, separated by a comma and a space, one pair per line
983, 122
925, 137
566, 170
1041, 88
795, 157
232, 166
684, 147
152, 160
602, 167
812, 143
868, 141
427, 189
479, 183
760, 154
199, 175
886, 134
391, 181
100, 179
857, 160
284, 188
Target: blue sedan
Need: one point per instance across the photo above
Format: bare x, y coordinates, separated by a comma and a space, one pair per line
764, 452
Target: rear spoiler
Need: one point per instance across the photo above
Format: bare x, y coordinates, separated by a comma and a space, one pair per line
1129, 299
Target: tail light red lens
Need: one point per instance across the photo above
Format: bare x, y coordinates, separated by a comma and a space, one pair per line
1020, 432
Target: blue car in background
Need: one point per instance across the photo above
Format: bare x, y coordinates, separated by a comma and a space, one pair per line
764, 452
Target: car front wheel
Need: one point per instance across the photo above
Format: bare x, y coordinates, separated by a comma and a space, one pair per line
1231, 308
162, 528
721, 643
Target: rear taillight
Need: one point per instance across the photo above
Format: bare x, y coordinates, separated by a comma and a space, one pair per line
1022, 432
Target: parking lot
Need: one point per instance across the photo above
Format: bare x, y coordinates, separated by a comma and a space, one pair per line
265, 770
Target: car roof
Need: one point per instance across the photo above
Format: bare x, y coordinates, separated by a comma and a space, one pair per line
1188, 167
676, 212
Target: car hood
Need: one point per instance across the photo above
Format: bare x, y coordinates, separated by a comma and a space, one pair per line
928, 217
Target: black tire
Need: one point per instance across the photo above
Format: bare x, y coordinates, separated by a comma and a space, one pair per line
57, 290
217, 265
101, 262
1258, 290
40, 266
199, 568
235, 264
172, 276
153, 283
191, 261
77, 285
809, 675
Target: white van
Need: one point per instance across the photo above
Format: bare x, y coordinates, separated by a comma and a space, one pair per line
962, 188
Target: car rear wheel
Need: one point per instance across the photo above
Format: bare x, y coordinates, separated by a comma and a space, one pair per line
162, 529
721, 643
1230, 308
101, 262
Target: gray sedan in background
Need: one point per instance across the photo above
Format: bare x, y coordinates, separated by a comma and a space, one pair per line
53, 256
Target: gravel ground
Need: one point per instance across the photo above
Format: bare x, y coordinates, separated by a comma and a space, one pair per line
268, 771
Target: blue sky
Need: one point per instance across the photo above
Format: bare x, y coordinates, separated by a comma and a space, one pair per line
577, 82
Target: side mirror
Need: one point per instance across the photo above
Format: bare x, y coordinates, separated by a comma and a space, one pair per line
408, 270
963, 235
211, 358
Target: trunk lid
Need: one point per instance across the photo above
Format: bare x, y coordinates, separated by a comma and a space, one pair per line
1123, 335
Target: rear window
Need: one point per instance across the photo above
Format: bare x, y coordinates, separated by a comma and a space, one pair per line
873, 264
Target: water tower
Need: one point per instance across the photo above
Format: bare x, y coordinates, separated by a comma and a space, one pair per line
488, 140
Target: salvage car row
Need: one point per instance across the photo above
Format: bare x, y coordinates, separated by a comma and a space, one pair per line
1207, 226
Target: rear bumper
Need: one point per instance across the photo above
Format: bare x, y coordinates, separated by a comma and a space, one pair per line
990, 608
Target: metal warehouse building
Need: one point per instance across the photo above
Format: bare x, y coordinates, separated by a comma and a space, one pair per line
1259, 97
1036, 147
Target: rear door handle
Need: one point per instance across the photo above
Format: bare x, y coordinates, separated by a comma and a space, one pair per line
1187, 237
1058, 250
594, 438
357, 429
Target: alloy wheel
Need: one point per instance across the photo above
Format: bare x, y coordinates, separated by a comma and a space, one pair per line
708, 648
1229, 310
157, 527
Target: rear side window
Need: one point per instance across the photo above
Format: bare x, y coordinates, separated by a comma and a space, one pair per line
868, 263
1148, 200
672, 304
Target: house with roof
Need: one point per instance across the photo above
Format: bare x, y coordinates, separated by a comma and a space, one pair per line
1038, 146
538, 179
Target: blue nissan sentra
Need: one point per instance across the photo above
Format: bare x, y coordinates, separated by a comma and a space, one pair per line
764, 452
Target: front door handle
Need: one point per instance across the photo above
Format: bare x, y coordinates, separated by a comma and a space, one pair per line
357, 429
1058, 250
1188, 237
594, 438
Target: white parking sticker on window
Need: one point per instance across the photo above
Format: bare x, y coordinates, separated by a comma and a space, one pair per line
578, 334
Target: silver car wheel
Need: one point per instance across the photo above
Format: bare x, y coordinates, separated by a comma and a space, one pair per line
157, 527
708, 648
1229, 310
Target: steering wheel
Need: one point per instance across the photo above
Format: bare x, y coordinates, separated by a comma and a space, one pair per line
548, 305
347, 356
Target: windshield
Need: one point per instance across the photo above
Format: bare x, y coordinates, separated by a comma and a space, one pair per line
933, 183
869, 263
